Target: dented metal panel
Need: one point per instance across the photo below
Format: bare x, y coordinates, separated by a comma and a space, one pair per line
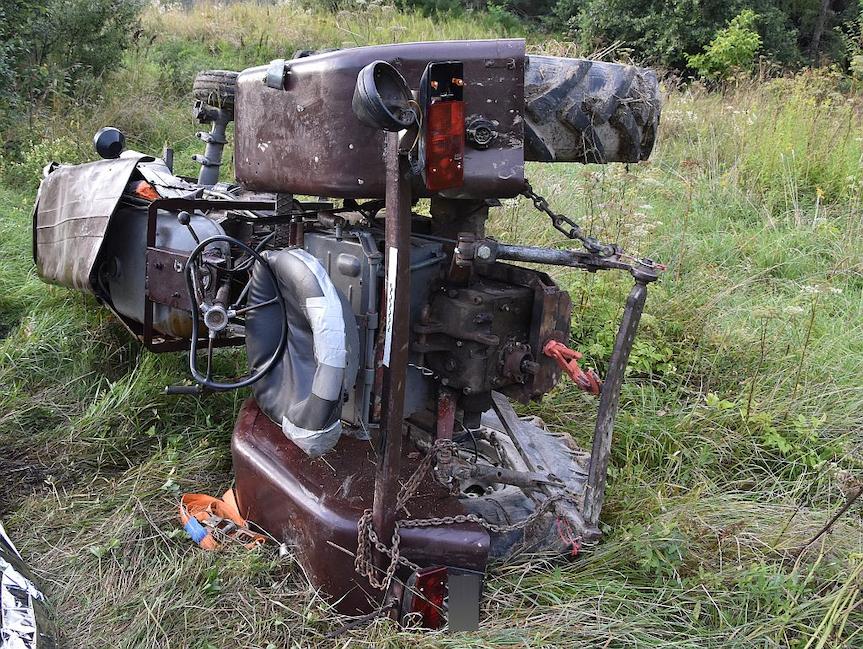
71, 216
306, 140
314, 504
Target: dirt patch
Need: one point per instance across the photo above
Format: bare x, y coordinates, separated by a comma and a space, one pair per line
19, 479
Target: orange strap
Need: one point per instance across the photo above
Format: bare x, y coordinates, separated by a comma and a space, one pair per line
207, 519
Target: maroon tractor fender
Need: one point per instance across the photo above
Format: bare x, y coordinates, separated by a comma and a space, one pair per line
305, 138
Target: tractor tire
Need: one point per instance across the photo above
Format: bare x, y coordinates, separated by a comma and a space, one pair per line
216, 88
578, 110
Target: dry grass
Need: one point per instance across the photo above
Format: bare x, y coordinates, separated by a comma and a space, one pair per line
741, 420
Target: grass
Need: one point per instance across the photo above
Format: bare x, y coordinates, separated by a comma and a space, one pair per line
740, 431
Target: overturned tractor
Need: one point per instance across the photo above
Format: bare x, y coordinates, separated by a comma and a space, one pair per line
384, 346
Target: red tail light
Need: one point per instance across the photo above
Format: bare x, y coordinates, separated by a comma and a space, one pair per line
442, 96
426, 594
444, 146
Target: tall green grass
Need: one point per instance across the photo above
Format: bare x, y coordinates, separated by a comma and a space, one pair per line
740, 430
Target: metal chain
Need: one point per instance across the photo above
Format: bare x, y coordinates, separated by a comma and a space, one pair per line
367, 536
568, 227
572, 230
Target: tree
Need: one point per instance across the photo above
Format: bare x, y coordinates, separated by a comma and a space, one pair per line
47, 46
819, 30
731, 50
666, 32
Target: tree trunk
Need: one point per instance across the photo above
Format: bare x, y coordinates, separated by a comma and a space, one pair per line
818, 31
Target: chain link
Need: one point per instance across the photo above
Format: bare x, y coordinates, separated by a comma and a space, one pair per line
367, 537
568, 227
572, 230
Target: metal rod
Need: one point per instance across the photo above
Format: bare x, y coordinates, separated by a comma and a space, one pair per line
609, 402
446, 404
396, 340
212, 159
534, 254
558, 257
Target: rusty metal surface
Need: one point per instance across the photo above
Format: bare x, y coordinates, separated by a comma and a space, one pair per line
552, 310
306, 139
74, 207
609, 401
203, 204
314, 505
446, 406
165, 280
396, 327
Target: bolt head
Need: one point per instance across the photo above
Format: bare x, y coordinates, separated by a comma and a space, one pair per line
483, 252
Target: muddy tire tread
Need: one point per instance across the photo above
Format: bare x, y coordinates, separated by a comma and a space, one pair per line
216, 88
589, 111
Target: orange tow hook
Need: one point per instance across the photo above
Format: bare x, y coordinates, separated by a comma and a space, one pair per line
568, 360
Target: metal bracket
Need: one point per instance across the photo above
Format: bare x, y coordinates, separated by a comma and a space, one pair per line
165, 282
609, 402
145, 333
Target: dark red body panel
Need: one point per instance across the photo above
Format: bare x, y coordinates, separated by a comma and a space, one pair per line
314, 505
306, 140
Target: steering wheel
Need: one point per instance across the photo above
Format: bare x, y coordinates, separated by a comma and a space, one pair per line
217, 314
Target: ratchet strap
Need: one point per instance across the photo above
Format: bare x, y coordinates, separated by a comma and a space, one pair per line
210, 521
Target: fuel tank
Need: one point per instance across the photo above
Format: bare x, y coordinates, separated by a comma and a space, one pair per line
305, 139
122, 263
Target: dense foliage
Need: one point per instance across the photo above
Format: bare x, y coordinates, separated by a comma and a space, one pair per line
49, 47
667, 32
732, 50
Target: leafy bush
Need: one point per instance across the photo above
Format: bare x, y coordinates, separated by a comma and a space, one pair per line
666, 32
25, 169
47, 48
731, 50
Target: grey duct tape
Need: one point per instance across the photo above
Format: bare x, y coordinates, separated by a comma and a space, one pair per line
305, 391
325, 316
313, 443
328, 328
